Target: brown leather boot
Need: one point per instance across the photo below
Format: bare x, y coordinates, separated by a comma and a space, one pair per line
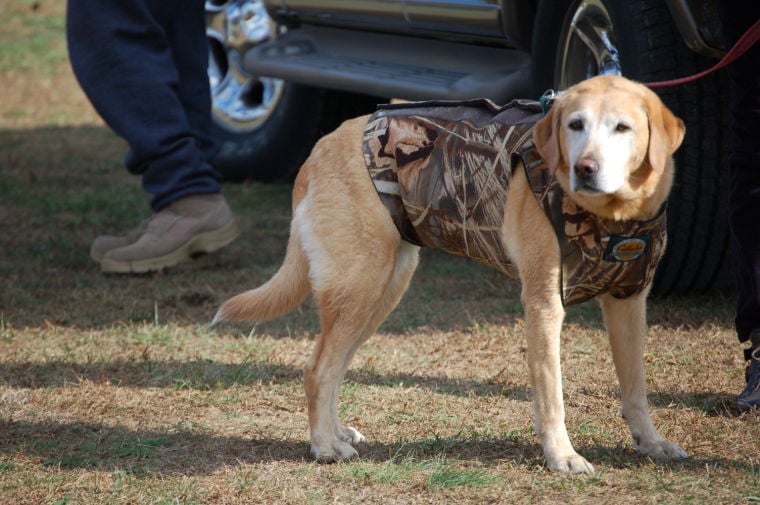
193, 225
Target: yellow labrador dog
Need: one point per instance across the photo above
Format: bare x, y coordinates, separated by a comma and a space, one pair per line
610, 143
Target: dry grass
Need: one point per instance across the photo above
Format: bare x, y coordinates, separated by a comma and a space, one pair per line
113, 390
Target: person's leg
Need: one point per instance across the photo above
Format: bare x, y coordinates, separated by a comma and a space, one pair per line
744, 198
143, 66
125, 55
189, 46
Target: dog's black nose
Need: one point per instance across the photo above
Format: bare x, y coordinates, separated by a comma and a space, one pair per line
586, 168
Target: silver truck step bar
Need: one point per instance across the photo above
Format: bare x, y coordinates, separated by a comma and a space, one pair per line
398, 66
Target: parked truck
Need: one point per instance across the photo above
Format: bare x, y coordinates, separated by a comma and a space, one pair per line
284, 72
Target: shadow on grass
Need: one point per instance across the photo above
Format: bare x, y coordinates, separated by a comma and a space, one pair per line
65, 185
712, 404
207, 375
184, 452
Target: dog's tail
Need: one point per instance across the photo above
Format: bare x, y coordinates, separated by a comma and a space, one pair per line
283, 292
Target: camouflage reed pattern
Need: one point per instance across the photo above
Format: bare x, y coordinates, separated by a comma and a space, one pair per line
443, 170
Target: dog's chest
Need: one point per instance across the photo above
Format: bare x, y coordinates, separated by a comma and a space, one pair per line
443, 170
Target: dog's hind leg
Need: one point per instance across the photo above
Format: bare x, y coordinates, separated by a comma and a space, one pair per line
626, 325
407, 258
351, 310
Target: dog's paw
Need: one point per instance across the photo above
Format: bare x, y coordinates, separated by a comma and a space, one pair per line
349, 435
333, 452
660, 448
571, 463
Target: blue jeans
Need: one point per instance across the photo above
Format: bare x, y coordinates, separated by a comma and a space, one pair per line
142, 64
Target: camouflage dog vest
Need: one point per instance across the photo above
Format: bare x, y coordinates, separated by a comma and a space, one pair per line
443, 170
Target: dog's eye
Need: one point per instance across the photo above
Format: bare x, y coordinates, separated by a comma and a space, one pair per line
576, 125
622, 128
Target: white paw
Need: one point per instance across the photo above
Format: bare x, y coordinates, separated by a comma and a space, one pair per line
570, 463
660, 448
333, 452
349, 435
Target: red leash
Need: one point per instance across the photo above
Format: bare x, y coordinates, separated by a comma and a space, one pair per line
742, 45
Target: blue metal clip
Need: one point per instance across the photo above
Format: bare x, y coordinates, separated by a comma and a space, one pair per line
547, 99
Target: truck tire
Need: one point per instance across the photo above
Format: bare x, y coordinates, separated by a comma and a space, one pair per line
273, 150
650, 49
264, 127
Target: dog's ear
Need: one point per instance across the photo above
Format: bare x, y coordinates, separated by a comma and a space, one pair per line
666, 133
546, 136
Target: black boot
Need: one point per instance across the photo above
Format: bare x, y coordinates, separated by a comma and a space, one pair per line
750, 397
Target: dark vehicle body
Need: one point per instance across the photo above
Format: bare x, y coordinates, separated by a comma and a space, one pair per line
284, 72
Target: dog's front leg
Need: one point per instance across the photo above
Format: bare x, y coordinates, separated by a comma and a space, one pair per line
544, 314
626, 325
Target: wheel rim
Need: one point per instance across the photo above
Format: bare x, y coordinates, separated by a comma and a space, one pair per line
241, 102
589, 45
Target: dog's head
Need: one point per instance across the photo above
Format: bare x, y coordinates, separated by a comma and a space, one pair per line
611, 141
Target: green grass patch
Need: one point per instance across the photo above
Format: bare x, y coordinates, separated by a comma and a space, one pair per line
436, 473
447, 476
388, 472
97, 453
7, 466
31, 39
